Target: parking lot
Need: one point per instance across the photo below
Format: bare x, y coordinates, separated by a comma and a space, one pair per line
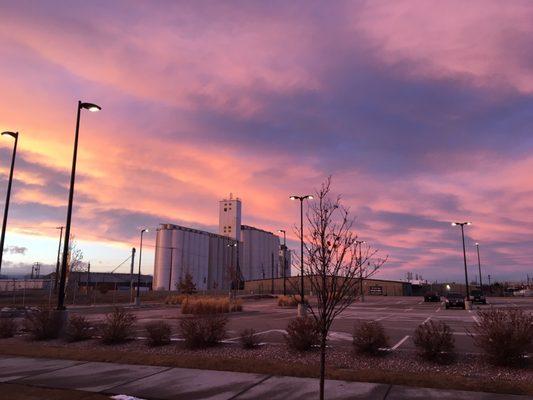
399, 315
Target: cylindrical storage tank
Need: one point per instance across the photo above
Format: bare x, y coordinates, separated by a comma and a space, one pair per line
162, 257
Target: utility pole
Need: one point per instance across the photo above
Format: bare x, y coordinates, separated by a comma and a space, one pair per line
462, 225
284, 248
88, 276
131, 272
272, 274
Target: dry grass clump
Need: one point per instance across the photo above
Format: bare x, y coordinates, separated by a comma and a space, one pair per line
249, 339
78, 328
288, 301
505, 335
302, 334
370, 338
203, 331
158, 332
8, 327
175, 298
434, 341
118, 326
210, 305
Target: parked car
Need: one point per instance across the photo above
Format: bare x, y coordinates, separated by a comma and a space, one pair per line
431, 297
455, 300
477, 296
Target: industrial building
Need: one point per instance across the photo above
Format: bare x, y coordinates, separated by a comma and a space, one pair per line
214, 260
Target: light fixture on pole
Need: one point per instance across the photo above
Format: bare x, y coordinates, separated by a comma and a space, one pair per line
62, 281
462, 225
284, 260
138, 297
301, 198
14, 135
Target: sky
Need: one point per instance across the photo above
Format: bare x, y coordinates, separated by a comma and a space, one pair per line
421, 111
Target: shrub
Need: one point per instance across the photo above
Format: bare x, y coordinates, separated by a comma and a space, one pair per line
370, 338
249, 339
78, 328
186, 285
118, 326
203, 330
287, 301
158, 332
210, 305
434, 341
302, 334
43, 324
8, 327
505, 335
175, 299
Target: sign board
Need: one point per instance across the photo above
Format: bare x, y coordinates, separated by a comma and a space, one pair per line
376, 290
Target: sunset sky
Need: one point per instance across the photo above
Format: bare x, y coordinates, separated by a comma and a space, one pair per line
422, 111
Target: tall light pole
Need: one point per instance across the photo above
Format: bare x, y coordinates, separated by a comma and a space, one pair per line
284, 260
58, 254
14, 135
237, 280
301, 198
359, 244
462, 225
61, 296
479, 267
138, 297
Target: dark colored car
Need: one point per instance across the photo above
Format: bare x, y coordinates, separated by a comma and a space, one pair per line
455, 300
477, 297
431, 297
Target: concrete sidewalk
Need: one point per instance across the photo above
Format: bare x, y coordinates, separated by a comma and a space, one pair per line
150, 382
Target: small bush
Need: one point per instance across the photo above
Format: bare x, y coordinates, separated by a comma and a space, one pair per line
505, 335
158, 332
435, 341
302, 334
78, 328
175, 299
8, 327
370, 338
249, 339
43, 324
210, 305
203, 330
118, 326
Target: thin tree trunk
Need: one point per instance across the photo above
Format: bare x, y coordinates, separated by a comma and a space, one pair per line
322, 363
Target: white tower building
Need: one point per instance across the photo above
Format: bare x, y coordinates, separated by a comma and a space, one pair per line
229, 218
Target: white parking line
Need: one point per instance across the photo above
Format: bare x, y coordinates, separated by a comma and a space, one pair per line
382, 318
438, 309
475, 319
400, 342
426, 320
408, 309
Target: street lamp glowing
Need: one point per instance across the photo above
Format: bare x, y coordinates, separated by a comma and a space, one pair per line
91, 107
292, 197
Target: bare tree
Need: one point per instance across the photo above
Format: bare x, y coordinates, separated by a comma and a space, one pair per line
334, 264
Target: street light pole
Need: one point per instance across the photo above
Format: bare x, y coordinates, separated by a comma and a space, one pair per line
301, 198
479, 267
284, 261
61, 296
58, 253
14, 135
359, 243
462, 225
138, 297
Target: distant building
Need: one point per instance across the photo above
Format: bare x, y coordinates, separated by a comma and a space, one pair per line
210, 258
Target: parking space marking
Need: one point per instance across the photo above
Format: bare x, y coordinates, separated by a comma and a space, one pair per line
437, 310
408, 309
475, 319
400, 342
426, 320
382, 318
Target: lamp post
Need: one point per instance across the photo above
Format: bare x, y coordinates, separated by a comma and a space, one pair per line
301, 198
58, 254
479, 268
61, 296
462, 225
284, 261
138, 297
237, 280
14, 135
359, 243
